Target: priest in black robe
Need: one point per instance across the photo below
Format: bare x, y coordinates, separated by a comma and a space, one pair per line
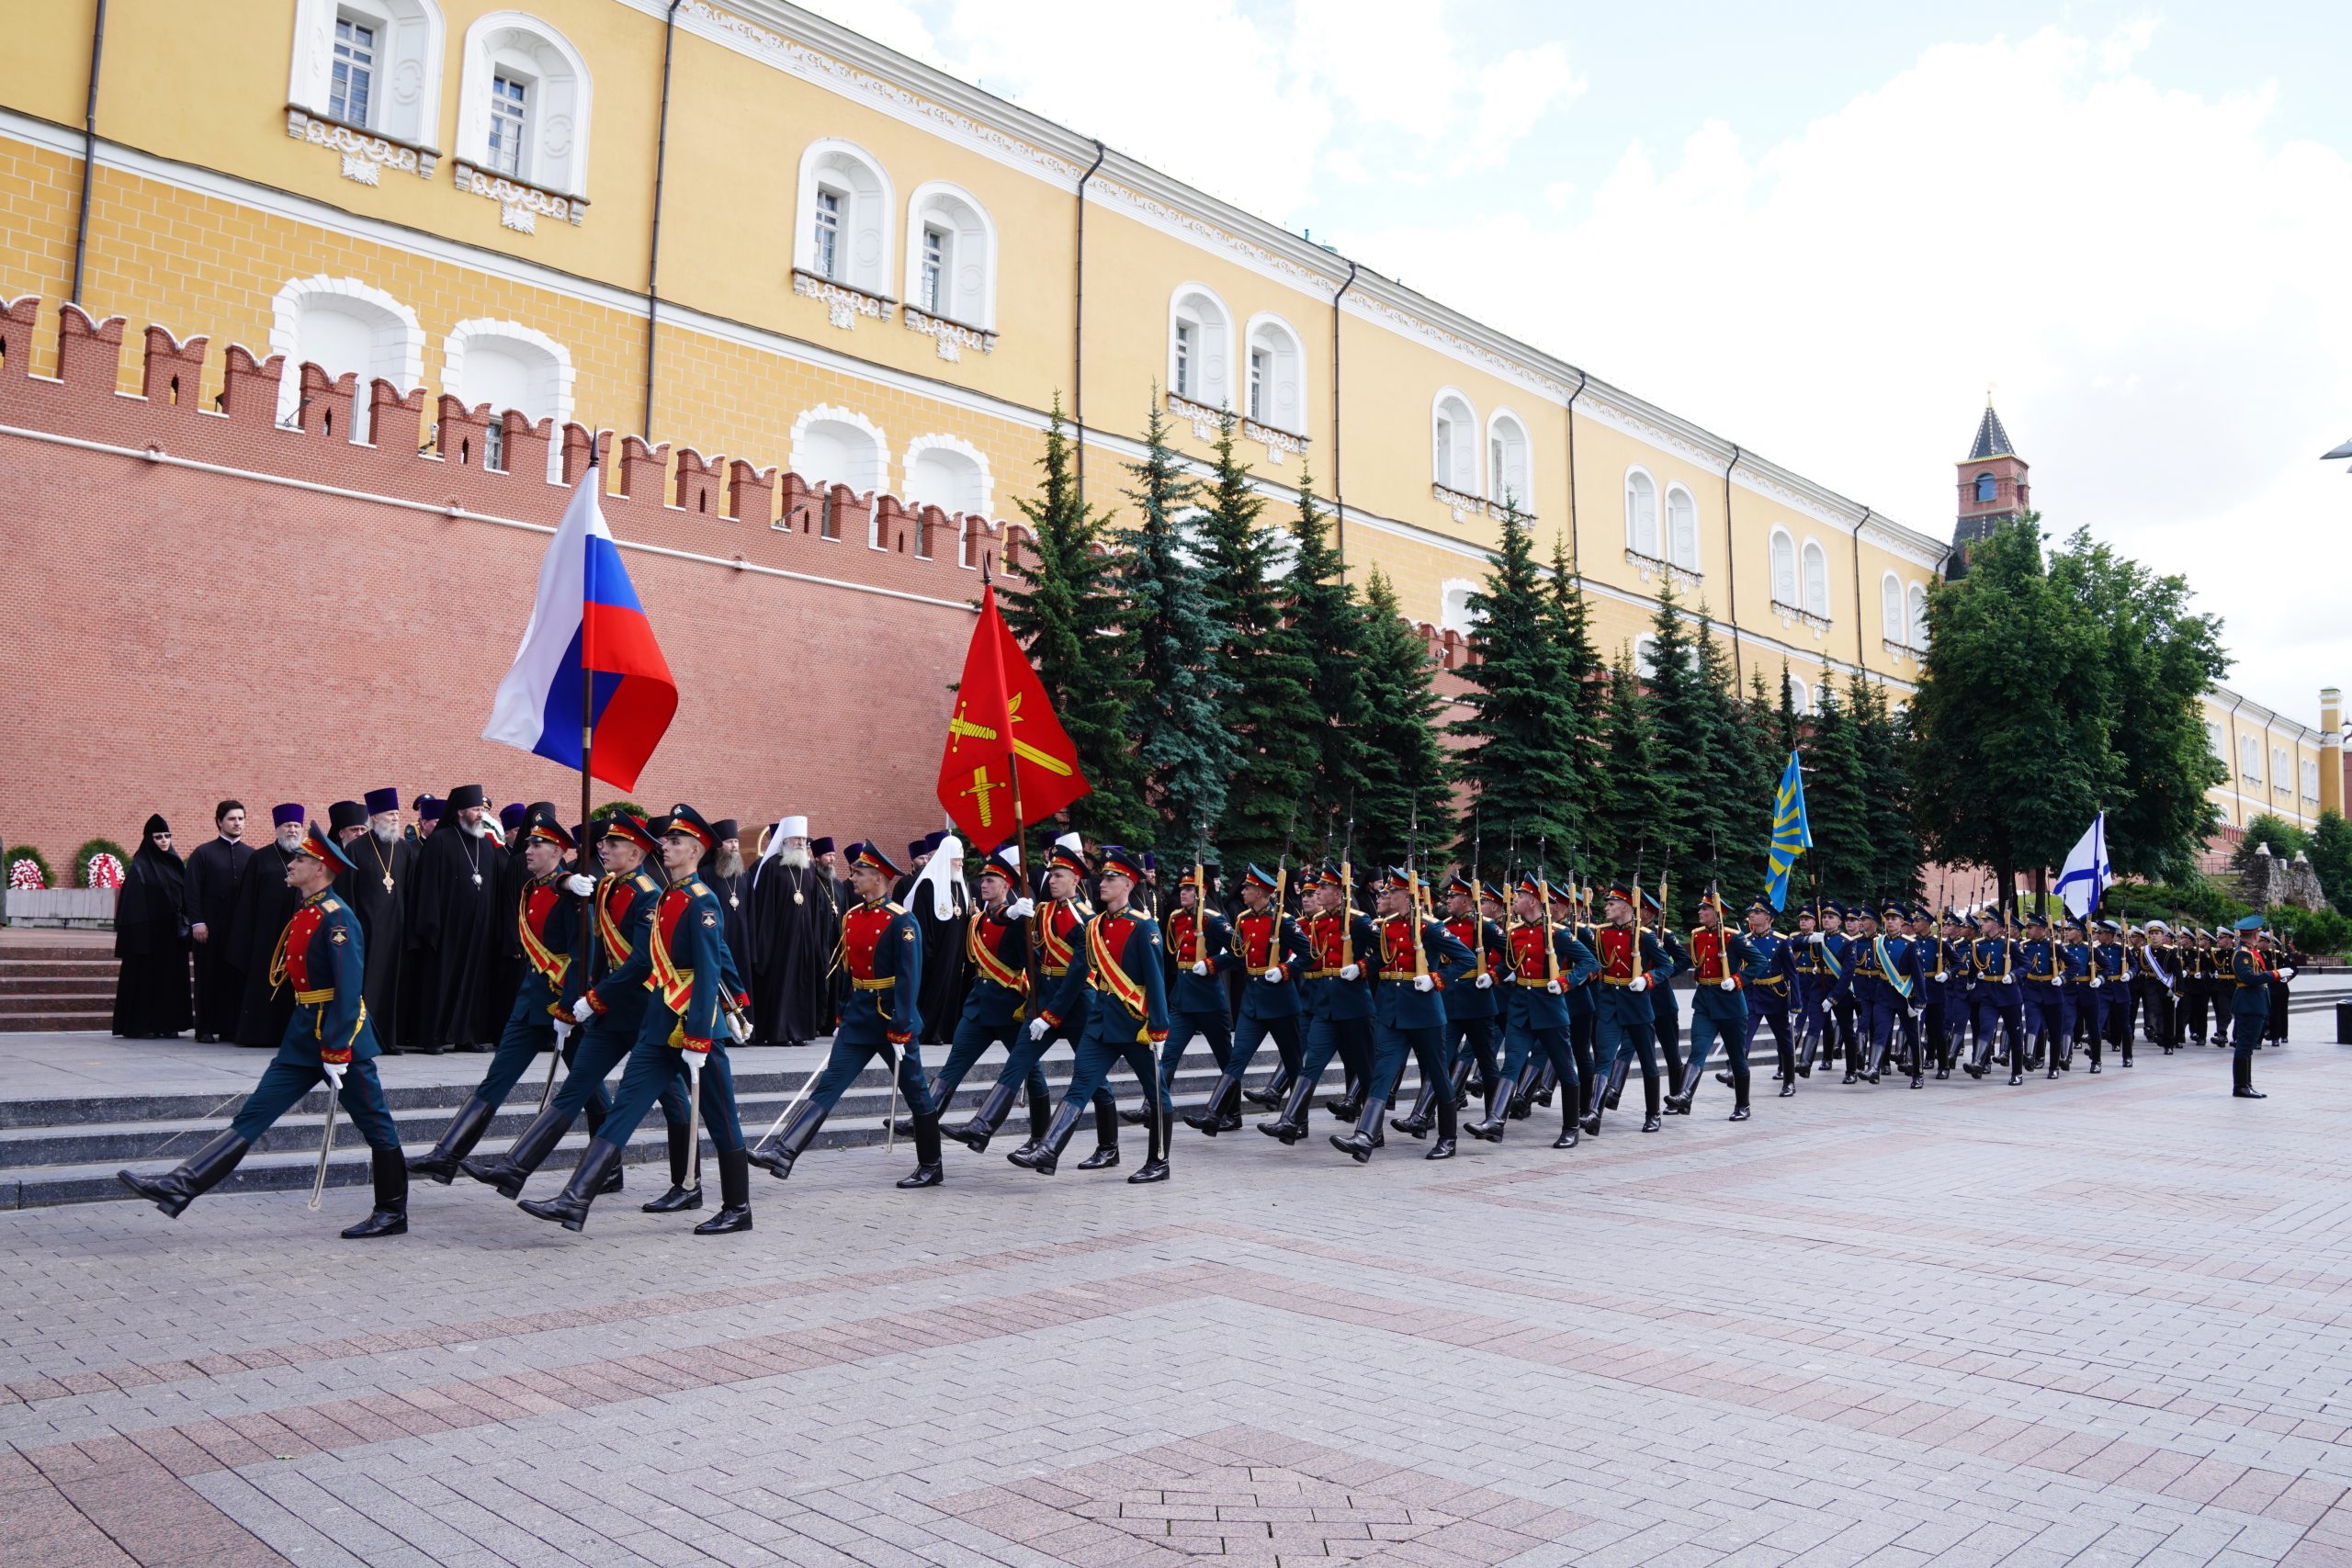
940, 906
723, 872
151, 990
793, 927
378, 889
506, 960
264, 905
213, 869
410, 1005
454, 930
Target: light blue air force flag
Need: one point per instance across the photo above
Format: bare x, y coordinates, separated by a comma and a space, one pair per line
2086, 872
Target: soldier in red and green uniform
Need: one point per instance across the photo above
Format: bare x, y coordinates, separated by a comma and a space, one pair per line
1417, 960
995, 948
1271, 949
1472, 1011
321, 960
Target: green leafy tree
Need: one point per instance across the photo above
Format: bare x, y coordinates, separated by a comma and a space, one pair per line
1068, 607
2331, 856
2284, 839
1518, 739
1404, 768
1188, 755
1330, 622
1266, 704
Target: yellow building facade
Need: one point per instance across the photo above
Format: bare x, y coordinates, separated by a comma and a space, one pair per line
2276, 763
866, 271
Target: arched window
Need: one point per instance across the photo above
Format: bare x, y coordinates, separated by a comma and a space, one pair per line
1645, 657
1507, 465
1889, 607
510, 365
951, 255
1200, 346
948, 472
523, 104
1817, 579
1681, 528
1454, 442
843, 234
374, 66
1918, 600
1785, 568
1641, 513
2280, 772
1800, 694
833, 445
342, 325
2250, 758
2310, 779
1274, 388
1453, 605
1988, 488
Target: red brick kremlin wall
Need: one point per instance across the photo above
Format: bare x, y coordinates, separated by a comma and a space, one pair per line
201, 603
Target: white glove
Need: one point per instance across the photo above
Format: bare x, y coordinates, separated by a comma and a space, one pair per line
1350, 971
1728, 984
1483, 982
583, 1009
740, 1027
563, 1033
1037, 1027
2095, 982
1273, 972
2286, 973
333, 1071
1200, 967
1556, 988
1020, 909
1814, 936
1640, 983
1425, 982
579, 886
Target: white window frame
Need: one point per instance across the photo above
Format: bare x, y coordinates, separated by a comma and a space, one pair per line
404, 99
1891, 610
1801, 697
397, 342
868, 207
1644, 657
554, 377
510, 125
1514, 478
516, 44
1211, 382
1454, 430
2282, 769
1782, 553
1668, 530
1914, 603
1808, 558
969, 283
1644, 510
357, 58
2309, 771
984, 504
2250, 758
1453, 605
1284, 403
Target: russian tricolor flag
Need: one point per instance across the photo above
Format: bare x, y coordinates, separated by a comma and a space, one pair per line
586, 617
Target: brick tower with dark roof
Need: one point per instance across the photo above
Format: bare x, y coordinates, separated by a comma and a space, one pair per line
1993, 489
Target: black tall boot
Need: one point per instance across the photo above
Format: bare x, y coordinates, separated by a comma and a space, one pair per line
1617, 1082
680, 1196
1677, 1103
1276, 1088
1446, 1127
777, 1158
1416, 1122
1358, 1145
389, 1173
199, 1174
457, 1141
509, 1171
1460, 1087
904, 1126
1046, 1158
1350, 1105
569, 1208
1041, 1116
1210, 1118
975, 1134
1569, 1123
928, 1171
1489, 1128
734, 1196
1154, 1159
1650, 1124
1106, 1133
1290, 1125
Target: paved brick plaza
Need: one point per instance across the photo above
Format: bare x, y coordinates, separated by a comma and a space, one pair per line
2102, 1321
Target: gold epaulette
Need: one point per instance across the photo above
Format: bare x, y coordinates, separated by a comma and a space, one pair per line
894, 909
329, 905
644, 884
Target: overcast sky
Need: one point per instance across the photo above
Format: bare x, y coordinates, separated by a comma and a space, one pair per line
1823, 230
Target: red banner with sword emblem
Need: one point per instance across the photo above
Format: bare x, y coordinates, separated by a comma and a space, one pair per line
1004, 722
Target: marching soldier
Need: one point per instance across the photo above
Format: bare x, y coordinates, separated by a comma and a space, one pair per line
320, 958
1471, 1012
1816, 977
1666, 1013
995, 948
2196, 971
1119, 965
2080, 1005
1335, 997
694, 1012
1718, 1007
1838, 945
1883, 980
1545, 967
1418, 959
1995, 993
610, 1008
2158, 966
1267, 944
2043, 966
1630, 962
881, 954
1199, 941
2112, 980
1768, 980
546, 920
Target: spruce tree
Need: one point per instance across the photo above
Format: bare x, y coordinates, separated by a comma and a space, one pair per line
1518, 753
1579, 670
1065, 604
1634, 819
1747, 775
1833, 796
1404, 767
1329, 623
1687, 784
1179, 731
1881, 736
1265, 705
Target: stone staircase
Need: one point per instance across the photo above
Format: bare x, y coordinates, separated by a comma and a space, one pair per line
67, 1151
58, 983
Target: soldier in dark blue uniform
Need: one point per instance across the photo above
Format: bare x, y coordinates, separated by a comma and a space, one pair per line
1768, 980
1816, 976
1882, 977
546, 920
2248, 981
1719, 959
1544, 967
1119, 967
2041, 966
2081, 1004
882, 957
1418, 959
697, 1011
1269, 948
1198, 939
320, 958
1472, 1011
1994, 995
610, 1008
2111, 1007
